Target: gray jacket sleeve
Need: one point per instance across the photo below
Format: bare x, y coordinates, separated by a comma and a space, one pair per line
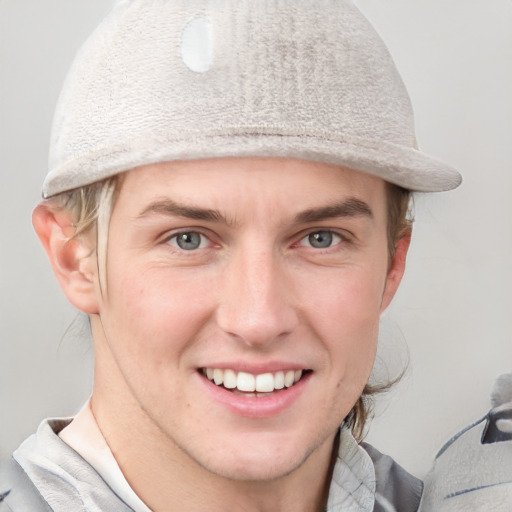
17, 492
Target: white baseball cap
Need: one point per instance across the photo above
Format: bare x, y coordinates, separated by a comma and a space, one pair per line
164, 80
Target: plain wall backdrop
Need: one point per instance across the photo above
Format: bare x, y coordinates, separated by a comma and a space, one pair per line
454, 310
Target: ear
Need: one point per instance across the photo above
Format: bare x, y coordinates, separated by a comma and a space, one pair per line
73, 259
396, 269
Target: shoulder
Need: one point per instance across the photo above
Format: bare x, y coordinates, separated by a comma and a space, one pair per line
45, 474
17, 492
365, 480
396, 489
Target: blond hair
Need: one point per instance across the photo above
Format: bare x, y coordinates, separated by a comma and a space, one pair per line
91, 207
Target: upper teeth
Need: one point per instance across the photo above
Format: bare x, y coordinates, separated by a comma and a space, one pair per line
263, 383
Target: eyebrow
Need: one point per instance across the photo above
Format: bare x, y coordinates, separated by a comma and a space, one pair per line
172, 208
351, 207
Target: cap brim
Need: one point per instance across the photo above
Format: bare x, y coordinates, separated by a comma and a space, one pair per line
403, 166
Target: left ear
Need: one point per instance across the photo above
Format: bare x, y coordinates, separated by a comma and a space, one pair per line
396, 269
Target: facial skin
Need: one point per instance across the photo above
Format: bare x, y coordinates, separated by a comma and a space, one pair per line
281, 265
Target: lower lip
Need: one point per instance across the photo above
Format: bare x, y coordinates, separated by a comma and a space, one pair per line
256, 407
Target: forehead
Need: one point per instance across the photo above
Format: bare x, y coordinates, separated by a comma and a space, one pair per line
247, 182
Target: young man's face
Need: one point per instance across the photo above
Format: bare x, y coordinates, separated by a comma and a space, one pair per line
251, 271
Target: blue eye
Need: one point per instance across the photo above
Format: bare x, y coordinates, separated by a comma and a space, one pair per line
189, 240
321, 239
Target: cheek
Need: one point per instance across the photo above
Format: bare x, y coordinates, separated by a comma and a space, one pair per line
154, 315
345, 314
347, 302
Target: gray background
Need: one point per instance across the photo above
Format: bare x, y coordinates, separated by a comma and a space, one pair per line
454, 310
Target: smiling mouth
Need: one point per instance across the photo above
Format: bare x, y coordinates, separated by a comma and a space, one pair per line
247, 384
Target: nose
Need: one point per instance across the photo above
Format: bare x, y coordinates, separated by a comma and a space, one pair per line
256, 299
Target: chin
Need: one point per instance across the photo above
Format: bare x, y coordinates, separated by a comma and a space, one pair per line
259, 457
254, 467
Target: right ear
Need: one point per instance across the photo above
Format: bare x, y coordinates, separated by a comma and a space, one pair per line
73, 259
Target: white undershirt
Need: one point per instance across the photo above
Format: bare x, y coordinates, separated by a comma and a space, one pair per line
85, 437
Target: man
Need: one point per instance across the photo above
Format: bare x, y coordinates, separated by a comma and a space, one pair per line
227, 202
